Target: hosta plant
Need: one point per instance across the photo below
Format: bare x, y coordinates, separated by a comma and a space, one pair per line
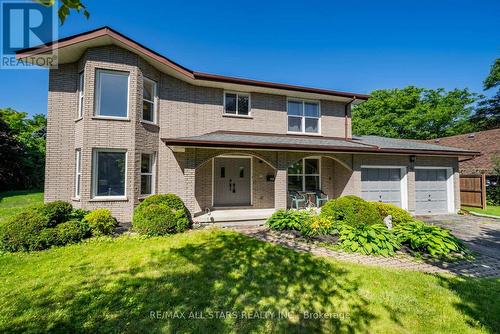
368, 239
432, 240
288, 220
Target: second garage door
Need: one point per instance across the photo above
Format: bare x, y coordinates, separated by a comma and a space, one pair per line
381, 185
431, 191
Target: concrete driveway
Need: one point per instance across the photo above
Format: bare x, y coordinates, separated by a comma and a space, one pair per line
482, 235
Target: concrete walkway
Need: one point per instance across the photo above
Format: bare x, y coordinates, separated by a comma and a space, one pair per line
482, 237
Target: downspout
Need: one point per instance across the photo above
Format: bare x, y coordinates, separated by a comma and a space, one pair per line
346, 107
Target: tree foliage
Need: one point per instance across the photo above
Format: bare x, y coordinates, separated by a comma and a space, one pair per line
22, 150
487, 115
65, 8
415, 113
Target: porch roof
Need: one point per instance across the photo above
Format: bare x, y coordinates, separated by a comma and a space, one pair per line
364, 144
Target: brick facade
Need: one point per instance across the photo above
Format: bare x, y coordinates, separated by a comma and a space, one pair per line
183, 110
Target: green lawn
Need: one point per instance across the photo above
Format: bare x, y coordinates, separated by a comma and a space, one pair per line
115, 285
13, 202
490, 210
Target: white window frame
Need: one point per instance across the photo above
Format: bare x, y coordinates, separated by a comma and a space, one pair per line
403, 182
78, 172
249, 115
81, 93
154, 102
97, 112
303, 174
450, 186
152, 174
95, 158
303, 117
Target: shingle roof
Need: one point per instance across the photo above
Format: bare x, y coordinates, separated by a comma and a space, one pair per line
232, 139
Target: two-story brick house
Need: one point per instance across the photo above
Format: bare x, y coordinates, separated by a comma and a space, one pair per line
125, 122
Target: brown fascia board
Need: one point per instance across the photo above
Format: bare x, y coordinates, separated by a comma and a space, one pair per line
107, 31
315, 148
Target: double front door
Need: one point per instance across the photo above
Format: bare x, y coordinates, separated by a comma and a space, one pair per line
232, 177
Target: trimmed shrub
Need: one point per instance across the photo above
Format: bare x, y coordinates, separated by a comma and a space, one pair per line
432, 240
318, 225
368, 239
287, 220
22, 232
70, 232
399, 216
161, 215
351, 210
78, 214
56, 212
101, 222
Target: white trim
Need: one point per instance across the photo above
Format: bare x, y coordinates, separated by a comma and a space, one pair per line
303, 117
95, 152
225, 156
450, 186
249, 115
403, 181
152, 174
78, 173
154, 101
81, 93
97, 93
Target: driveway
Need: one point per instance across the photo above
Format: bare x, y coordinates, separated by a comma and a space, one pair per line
482, 235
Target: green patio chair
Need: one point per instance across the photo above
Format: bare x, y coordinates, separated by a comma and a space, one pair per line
297, 199
321, 198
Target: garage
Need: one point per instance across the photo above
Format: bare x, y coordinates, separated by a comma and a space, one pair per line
431, 190
384, 184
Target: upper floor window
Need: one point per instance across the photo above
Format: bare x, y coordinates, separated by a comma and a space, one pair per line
237, 103
112, 94
303, 116
149, 93
80, 94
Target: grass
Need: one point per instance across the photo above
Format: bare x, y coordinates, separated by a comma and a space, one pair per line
117, 285
13, 202
490, 210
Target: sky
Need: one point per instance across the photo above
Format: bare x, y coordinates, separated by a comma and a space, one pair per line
354, 46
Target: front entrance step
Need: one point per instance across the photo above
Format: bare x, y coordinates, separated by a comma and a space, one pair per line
236, 224
234, 216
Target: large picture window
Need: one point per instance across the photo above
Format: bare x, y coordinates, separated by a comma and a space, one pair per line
149, 100
109, 173
304, 175
112, 94
303, 116
237, 104
147, 174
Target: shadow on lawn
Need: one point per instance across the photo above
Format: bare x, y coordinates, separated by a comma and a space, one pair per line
227, 273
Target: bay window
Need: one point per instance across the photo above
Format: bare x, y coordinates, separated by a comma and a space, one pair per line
149, 100
78, 172
111, 94
80, 94
147, 174
109, 170
303, 116
304, 175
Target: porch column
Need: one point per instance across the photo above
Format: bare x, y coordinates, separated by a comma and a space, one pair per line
281, 181
189, 181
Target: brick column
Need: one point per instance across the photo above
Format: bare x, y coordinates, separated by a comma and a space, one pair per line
281, 181
189, 181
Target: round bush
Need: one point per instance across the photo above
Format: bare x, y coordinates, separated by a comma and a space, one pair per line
101, 222
22, 232
351, 210
70, 232
56, 212
161, 215
399, 216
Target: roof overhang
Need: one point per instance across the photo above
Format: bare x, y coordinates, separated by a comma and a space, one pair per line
71, 49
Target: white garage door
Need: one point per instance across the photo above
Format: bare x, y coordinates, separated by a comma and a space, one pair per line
381, 185
431, 191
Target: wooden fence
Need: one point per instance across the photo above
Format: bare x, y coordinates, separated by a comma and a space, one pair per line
473, 190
